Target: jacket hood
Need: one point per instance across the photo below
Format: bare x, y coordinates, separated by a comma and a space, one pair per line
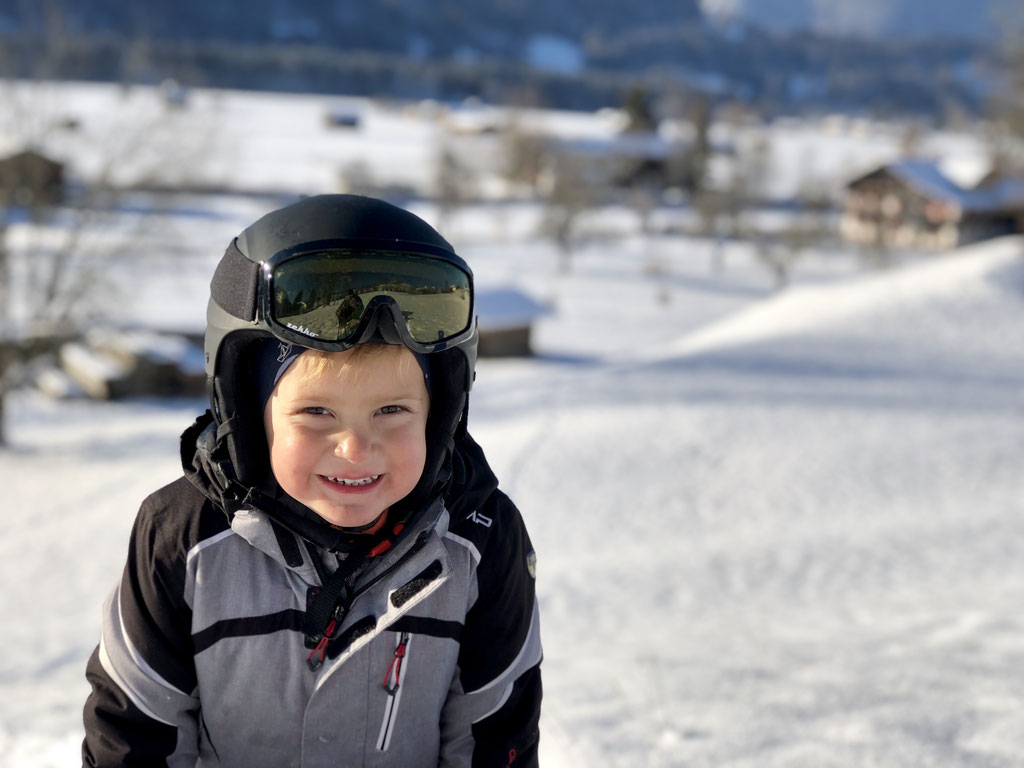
207, 465
472, 480
209, 473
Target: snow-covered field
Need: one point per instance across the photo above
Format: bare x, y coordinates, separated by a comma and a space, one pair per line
774, 529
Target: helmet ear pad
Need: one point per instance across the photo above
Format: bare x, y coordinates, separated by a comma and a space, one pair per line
239, 411
449, 396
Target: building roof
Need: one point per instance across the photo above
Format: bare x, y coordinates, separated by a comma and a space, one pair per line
924, 176
504, 307
29, 154
927, 178
1002, 193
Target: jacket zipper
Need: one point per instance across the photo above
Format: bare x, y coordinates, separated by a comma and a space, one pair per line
393, 686
341, 609
421, 541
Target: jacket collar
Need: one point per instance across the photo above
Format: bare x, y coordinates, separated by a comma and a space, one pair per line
257, 527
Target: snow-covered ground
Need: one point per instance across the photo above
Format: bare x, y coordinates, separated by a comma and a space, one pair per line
774, 529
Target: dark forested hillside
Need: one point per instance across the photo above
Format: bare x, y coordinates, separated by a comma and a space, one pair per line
501, 27
576, 54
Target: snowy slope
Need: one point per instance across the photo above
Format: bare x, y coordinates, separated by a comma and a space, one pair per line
798, 546
773, 529
928, 311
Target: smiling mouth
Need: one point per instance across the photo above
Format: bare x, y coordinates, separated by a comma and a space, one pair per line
353, 483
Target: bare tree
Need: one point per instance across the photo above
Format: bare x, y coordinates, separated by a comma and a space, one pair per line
723, 210
453, 182
643, 200
808, 227
636, 103
688, 161
570, 194
523, 151
1007, 104
778, 256
710, 206
911, 138
781, 252
57, 252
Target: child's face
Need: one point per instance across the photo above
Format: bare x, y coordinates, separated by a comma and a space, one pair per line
349, 440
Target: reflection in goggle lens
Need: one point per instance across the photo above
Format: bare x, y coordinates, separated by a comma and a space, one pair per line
323, 295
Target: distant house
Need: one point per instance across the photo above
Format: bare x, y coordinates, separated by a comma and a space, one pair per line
506, 316
617, 161
912, 204
655, 159
30, 178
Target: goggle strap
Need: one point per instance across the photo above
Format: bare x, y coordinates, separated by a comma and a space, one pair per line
235, 284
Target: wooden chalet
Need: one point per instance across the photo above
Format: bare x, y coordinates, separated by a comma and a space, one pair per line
912, 205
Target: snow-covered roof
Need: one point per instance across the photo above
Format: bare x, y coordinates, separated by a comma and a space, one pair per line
925, 176
505, 307
1004, 193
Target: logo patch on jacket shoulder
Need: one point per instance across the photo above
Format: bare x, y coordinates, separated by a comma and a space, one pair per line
531, 564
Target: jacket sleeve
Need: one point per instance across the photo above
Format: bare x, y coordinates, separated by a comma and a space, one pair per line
143, 710
493, 710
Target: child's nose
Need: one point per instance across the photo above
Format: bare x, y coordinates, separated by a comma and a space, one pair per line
352, 446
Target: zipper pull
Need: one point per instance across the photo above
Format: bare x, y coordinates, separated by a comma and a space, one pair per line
315, 659
395, 668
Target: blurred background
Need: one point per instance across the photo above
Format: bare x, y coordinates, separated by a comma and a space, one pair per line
791, 125
750, 289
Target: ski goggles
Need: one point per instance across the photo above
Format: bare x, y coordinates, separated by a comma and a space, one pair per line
334, 298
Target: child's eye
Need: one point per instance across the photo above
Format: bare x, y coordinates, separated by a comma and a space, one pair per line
315, 410
392, 409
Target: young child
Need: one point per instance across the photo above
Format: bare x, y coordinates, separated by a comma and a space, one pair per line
336, 580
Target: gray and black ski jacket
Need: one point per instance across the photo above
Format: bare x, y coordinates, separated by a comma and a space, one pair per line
435, 661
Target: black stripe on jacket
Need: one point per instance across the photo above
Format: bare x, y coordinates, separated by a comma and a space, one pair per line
499, 622
110, 711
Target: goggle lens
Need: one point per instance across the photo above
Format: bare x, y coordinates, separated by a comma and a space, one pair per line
324, 294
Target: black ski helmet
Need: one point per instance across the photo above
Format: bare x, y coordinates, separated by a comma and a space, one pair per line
237, 329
